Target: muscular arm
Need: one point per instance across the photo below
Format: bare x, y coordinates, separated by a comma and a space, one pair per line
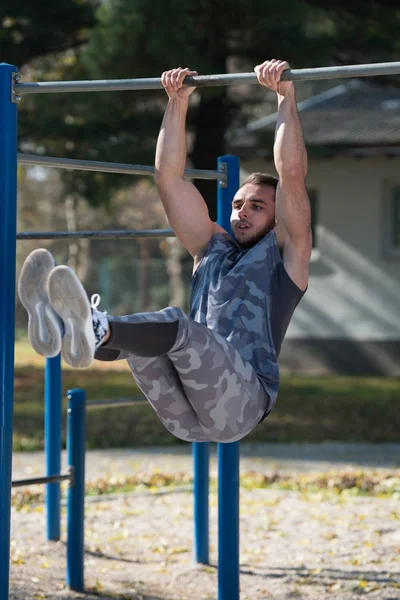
186, 209
292, 206
292, 210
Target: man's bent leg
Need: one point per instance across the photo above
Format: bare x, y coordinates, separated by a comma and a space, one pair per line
145, 338
160, 383
221, 388
108, 355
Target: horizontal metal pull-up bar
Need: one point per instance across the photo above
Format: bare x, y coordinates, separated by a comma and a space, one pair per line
104, 235
153, 83
107, 167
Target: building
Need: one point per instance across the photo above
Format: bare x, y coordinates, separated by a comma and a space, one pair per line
349, 320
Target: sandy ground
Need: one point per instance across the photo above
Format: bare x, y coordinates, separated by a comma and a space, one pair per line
293, 545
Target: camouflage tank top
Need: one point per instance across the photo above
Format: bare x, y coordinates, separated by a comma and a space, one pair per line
246, 295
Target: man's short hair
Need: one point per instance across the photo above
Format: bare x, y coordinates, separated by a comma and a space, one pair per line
261, 179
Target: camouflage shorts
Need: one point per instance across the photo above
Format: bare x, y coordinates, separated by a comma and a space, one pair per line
202, 390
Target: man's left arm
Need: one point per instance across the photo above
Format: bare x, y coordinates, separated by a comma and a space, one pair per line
292, 206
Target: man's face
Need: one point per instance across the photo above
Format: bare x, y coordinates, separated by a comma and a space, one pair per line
253, 213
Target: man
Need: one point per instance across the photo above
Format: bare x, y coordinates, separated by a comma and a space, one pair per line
212, 376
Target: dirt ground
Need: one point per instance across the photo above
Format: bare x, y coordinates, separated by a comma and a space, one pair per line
138, 546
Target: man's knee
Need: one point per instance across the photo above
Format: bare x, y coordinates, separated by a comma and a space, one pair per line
226, 436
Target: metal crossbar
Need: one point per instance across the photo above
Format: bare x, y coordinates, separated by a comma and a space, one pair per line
108, 167
94, 235
153, 83
40, 480
97, 404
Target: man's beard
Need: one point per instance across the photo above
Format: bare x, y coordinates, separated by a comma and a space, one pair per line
253, 239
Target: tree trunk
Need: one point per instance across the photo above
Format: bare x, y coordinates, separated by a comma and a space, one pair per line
78, 250
211, 116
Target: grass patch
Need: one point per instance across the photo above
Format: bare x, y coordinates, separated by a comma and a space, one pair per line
106, 428
352, 409
308, 409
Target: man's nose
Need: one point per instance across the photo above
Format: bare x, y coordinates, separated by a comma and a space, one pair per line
242, 212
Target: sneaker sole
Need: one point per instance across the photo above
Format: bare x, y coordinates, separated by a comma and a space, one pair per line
69, 300
44, 328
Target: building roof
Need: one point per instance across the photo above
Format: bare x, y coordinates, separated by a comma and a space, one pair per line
358, 117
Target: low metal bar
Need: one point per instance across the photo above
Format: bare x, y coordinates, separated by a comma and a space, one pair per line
108, 167
108, 235
201, 452
52, 444
153, 83
228, 522
76, 429
40, 480
97, 404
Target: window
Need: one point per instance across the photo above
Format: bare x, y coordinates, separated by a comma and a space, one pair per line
312, 194
391, 220
395, 219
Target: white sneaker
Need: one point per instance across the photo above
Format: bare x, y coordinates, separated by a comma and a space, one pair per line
44, 326
84, 329
99, 320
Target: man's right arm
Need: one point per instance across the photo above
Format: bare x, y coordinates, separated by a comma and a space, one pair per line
185, 207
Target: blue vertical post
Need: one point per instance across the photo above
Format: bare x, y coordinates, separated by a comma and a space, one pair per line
52, 443
76, 418
8, 231
201, 485
228, 454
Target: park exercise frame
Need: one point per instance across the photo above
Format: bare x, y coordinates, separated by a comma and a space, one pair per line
11, 91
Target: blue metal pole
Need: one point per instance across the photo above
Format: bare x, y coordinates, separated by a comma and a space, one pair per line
76, 493
228, 521
228, 454
8, 231
201, 486
52, 436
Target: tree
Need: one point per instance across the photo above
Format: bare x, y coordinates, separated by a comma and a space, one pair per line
207, 36
136, 38
32, 29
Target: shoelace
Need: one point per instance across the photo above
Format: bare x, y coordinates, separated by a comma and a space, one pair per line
95, 301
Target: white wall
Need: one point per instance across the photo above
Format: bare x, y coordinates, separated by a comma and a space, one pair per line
354, 288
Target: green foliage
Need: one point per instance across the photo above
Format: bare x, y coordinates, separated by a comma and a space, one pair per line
363, 30
147, 38
137, 38
32, 29
86, 126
